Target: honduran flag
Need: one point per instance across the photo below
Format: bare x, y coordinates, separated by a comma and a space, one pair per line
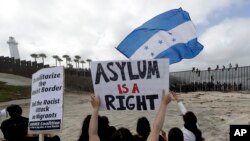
169, 35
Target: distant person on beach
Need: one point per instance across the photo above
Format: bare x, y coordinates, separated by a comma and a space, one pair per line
16, 127
122, 134
190, 129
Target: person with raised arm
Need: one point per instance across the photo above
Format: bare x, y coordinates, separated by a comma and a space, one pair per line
180, 103
122, 134
190, 129
159, 119
93, 124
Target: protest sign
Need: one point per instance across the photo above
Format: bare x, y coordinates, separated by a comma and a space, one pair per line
134, 85
46, 106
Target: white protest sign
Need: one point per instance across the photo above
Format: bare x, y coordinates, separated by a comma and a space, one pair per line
134, 85
46, 106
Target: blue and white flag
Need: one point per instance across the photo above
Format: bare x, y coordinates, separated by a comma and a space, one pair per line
169, 35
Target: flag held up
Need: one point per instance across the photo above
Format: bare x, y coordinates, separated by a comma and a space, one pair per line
168, 35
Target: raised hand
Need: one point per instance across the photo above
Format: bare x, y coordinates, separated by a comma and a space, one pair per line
176, 97
95, 102
166, 98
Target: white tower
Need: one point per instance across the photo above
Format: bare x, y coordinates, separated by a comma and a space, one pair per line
13, 48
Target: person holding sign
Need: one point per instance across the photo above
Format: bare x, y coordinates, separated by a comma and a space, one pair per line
121, 134
93, 125
175, 134
159, 119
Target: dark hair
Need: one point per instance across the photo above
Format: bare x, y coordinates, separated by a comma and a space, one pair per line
105, 120
85, 129
14, 110
122, 134
175, 134
143, 127
103, 125
111, 131
103, 128
190, 121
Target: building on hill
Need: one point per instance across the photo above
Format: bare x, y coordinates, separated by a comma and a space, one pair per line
13, 48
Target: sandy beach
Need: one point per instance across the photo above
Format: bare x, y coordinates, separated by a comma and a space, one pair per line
215, 112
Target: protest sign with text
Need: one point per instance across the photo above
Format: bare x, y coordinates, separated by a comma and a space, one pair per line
46, 106
134, 85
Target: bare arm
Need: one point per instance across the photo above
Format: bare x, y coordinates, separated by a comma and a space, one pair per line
93, 125
159, 119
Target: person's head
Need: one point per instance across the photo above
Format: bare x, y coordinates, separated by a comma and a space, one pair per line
143, 127
175, 134
103, 124
103, 128
122, 134
111, 131
85, 128
190, 118
14, 110
190, 123
105, 121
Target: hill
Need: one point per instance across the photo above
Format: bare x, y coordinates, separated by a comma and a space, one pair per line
15, 80
14, 87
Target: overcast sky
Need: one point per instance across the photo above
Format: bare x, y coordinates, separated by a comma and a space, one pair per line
93, 28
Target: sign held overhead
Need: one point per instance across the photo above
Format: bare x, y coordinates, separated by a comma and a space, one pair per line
134, 85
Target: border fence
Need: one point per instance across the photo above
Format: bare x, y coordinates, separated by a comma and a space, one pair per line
225, 79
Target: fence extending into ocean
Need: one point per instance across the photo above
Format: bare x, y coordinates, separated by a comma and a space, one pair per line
226, 79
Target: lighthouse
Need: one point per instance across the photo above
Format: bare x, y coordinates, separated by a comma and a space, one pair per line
13, 48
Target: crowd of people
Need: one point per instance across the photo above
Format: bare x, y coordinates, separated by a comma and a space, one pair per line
97, 128
207, 86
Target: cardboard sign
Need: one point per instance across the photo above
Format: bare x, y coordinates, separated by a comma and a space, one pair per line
134, 85
46, 106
